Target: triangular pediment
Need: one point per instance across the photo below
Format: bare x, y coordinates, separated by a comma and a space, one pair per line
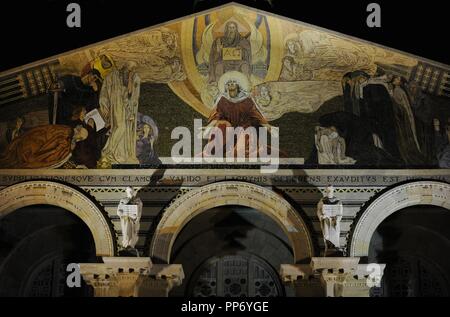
286, 66
323, 54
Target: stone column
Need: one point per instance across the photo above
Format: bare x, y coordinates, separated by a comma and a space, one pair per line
332, 277
130, 276
102, 281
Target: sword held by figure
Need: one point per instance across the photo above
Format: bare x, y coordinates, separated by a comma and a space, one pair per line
55, 88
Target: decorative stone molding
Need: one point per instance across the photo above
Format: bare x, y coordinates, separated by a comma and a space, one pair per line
410, 194
301, 278
199, 200
41, 192
340, 190
120, 190
161, 280
117, 276
196, 177
332, 277
131, 277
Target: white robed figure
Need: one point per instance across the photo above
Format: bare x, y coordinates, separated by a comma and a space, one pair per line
130, 211
331, 147
329, 212
119, 99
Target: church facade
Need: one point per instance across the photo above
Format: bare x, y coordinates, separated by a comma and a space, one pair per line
230, 126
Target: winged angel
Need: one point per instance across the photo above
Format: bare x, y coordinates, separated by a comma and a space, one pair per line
156, 54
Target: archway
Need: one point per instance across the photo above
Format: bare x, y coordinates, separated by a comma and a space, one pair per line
197, 201
42, 192
434, 193
413, 243
231, 251
37, 244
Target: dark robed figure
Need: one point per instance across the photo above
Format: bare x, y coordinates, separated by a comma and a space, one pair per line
47, 146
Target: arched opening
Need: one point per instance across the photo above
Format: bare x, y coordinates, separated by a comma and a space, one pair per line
414, 243
390, 201
37, 243
231, 251
231, 193
67, 197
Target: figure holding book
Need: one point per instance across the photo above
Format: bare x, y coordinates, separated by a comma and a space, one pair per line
329, 212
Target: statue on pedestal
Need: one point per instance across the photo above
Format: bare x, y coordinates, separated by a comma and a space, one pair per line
329, 212
130, 211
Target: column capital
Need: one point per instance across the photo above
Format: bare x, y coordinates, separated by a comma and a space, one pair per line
128, 276
332, 276
160, 281
291, 273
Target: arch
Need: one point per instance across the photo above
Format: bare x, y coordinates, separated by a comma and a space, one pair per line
199, 200
386, 203
42, 192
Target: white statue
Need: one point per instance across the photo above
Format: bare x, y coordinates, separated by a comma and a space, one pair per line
329, 212
130, 211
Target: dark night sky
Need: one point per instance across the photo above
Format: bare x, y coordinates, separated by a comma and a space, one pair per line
32, 30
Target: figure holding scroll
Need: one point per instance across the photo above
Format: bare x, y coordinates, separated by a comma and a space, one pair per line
130, 211
329, 212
